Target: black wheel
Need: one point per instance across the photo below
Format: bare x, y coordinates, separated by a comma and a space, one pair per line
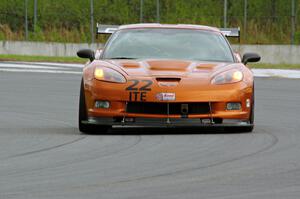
82, 116
251, 119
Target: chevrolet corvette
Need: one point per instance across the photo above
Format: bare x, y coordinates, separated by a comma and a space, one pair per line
159, 75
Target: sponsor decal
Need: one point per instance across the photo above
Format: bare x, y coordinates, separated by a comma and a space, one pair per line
166, 96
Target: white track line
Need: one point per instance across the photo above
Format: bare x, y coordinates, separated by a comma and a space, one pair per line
13, 65
40, 71
293, 74
40, 64
59, 64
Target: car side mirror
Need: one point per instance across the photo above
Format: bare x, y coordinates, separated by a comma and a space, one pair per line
86, 53
250, 57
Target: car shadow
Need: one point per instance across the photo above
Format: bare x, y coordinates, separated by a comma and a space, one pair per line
164, 131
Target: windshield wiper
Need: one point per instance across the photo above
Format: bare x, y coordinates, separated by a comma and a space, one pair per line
121, 58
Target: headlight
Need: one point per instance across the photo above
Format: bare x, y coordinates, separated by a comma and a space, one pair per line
227, 77
110, 75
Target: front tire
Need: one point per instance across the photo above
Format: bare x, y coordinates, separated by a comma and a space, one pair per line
82, 116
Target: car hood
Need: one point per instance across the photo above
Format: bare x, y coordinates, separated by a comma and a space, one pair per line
180, 68
168, 68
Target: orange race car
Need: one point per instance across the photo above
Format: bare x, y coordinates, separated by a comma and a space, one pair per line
155, 75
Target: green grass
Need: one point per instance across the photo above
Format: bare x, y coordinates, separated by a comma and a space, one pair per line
27, 58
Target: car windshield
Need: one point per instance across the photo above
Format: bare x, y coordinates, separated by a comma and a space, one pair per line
159, 43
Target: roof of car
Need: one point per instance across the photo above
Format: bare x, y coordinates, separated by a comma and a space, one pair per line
178, 26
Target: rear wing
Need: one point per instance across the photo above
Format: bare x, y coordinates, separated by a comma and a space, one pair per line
106, 29
231, 32
110, 29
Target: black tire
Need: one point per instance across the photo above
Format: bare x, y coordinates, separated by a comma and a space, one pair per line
82, 116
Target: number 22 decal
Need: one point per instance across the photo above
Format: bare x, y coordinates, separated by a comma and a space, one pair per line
134, 87
138, 91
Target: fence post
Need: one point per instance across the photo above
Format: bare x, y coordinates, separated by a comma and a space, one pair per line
225, 13
26, 19
35, 15
92, 21
245, 18
157, 11
293, 23
141, 10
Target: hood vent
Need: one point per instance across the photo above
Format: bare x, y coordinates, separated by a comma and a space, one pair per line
168, 79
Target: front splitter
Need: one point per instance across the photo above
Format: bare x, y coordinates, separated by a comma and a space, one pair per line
164, 122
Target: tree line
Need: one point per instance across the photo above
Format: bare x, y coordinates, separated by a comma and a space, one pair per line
266, 21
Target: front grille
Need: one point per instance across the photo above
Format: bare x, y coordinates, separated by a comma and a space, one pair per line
162, 108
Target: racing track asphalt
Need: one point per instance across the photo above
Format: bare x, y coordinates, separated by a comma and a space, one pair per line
43, 155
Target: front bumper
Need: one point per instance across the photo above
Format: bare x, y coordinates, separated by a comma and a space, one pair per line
216, 95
